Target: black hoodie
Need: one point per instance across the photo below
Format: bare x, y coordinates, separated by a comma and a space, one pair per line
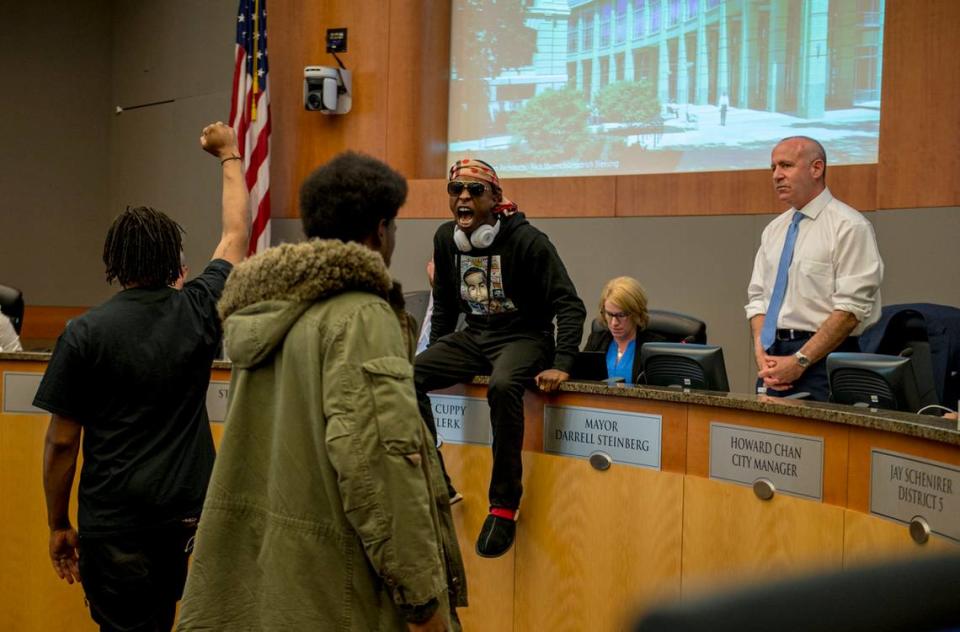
517, 284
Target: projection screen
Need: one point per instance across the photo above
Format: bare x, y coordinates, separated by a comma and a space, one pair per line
544, 88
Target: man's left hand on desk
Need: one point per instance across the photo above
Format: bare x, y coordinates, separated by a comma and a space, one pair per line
551, 379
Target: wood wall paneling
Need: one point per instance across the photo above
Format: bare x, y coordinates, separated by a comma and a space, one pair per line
563, 197
729, 535
593, 547
47, 322
418, 81
731, 192
673, 194
302, 140
870, 539
32, 597
919, 153
426, 199
861, 443
490, 582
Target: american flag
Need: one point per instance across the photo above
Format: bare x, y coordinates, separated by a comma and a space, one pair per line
250, 115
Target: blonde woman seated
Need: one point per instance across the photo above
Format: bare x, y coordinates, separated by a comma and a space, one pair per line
623, 309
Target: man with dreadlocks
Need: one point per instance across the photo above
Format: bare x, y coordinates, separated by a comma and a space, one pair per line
508, 279
131, 376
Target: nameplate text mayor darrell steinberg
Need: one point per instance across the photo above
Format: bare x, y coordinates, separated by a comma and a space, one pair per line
602, 433
626, 437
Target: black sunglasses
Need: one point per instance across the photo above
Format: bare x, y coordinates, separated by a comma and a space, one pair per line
475, 189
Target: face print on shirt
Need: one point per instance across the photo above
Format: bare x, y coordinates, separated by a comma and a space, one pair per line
481, 285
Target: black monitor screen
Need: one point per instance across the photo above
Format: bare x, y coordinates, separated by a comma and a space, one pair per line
590, 365
684, 366
873, 380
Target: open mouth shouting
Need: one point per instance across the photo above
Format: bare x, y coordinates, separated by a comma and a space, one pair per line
465, 216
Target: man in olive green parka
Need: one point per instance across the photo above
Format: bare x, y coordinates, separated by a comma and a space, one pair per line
327, 509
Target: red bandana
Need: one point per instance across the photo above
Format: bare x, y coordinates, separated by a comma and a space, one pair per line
480, 170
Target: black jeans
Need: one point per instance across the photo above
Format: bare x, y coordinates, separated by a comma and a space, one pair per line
512, 359
814, 379
133, 581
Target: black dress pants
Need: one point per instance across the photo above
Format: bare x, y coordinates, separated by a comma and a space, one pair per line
512, 360
133, 581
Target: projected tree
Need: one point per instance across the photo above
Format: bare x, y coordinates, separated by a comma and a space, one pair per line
499, 39
495, 39
553, 124
629, 102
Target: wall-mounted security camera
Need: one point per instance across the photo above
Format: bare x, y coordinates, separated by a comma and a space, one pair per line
327, 90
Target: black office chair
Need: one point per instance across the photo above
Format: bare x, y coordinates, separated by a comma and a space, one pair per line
673, 326
11, 305
677, 327
416, 305
906, 335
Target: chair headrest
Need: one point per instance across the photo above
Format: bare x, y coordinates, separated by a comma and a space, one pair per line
673, 326
677, 327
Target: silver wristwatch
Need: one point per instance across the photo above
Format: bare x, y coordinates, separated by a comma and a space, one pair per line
802, 360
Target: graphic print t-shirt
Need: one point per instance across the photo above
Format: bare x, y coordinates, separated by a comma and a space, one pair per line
481, 286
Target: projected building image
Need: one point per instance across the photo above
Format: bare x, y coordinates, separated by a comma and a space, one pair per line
653, 86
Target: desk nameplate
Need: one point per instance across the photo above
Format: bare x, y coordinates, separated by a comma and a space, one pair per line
462, 419
19, 389
218, 394
743, 454
631, 438
903, 487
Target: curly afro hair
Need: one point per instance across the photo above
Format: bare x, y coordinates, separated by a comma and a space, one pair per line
346, 198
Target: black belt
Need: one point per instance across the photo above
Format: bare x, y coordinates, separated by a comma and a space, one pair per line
793, 334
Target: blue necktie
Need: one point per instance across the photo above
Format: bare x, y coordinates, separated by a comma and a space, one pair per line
769, 332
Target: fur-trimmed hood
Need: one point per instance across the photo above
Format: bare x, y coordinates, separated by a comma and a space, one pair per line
266, 294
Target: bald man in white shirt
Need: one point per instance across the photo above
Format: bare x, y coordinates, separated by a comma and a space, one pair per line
816, 277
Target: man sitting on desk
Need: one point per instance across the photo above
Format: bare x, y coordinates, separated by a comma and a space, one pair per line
508, 279
816, 278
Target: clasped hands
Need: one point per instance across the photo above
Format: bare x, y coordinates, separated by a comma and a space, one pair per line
778, 372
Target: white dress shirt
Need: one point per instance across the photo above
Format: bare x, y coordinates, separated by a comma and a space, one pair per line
9, 341
424, 340
836, 266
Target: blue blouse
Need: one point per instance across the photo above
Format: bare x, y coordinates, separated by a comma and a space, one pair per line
624, 368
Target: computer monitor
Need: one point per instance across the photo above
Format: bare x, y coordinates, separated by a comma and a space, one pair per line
684, 366
590, 365
874, 381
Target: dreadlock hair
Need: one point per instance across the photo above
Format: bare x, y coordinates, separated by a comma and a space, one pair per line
143, 248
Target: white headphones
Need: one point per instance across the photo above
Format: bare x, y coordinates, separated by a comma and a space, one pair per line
482, 237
